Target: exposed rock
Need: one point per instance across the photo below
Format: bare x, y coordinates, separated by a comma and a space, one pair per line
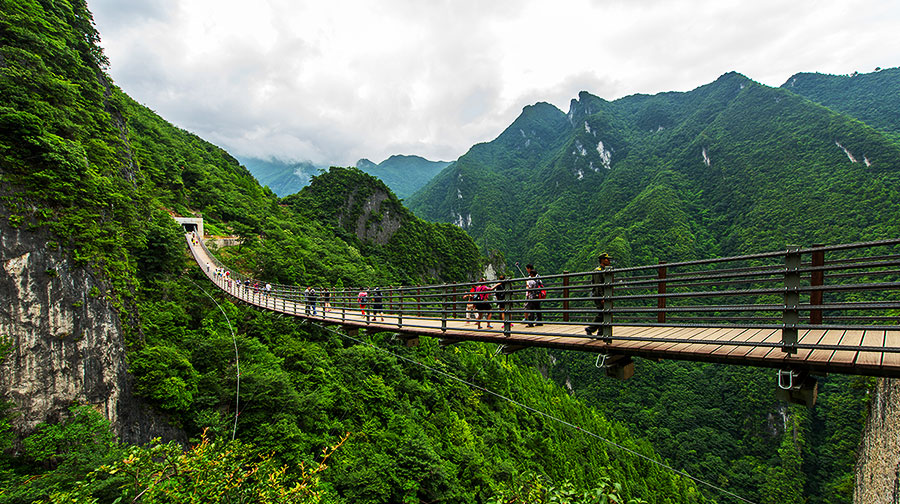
366, 224
878, 464
66, 341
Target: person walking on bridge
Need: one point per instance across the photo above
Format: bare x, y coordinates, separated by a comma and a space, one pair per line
533, 287
377, 304
483, 304
326, 300
313, 299
597, 293
500, 292
362, 299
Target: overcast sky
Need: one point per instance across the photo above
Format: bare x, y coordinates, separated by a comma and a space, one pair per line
332, 81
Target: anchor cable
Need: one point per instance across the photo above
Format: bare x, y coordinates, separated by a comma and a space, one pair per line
540, 413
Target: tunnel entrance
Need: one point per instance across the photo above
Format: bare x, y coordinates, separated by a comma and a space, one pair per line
191, 225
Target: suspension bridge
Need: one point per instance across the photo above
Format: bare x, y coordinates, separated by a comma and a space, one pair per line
800, 311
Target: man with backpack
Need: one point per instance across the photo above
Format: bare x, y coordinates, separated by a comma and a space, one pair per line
483, 304
534, 293
377, 304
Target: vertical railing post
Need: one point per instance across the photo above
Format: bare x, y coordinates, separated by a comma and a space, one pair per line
607, 304
507, 315
791, 315
400, 307
444, 310
661, 290
565, 295
817, 279
419, 300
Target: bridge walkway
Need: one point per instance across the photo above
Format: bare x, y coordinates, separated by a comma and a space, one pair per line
859, 349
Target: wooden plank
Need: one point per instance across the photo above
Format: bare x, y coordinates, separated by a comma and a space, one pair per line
680, 333
760, 352
646, 332
846, 358
871, 360
631, 332
810, 337
721, 334
638, 332
830, 337
891, 360
738, 351
728, 349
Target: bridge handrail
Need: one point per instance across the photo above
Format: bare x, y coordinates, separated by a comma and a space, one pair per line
863, 280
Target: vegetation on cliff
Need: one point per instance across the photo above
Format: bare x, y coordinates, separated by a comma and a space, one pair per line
104, 173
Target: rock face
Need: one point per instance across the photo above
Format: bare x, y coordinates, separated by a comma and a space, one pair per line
370, 220
878, 465
66, 344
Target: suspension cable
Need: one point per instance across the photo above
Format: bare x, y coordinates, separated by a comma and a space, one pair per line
237, 362
537, 412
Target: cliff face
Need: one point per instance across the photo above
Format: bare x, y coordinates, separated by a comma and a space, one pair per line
66, 344
374, 222
878, 464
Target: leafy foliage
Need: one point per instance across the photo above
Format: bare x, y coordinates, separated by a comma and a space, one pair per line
211, 471
103, 174
57, 455
870, 97
730, 168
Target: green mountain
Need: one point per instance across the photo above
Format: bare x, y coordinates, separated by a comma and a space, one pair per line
873, 98
89, 180
731, 167
281, 177
403, 174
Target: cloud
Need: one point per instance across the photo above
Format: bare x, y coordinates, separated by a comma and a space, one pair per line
332, 82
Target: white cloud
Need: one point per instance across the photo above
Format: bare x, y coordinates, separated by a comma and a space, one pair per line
335, 81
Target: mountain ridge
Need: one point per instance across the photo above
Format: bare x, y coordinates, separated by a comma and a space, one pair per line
704, 134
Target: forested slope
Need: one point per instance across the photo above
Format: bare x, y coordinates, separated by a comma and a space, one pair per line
102, 174
730, 168
873, 98
403, 174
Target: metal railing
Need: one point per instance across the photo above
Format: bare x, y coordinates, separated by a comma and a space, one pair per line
851, 286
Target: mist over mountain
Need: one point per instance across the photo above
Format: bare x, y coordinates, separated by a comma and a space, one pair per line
283, 178
403, 174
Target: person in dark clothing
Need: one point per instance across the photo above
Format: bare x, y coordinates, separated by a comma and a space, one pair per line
597, 293
313, 299
377, 304
500, 293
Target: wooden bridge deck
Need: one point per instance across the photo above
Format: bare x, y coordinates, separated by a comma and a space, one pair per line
847, 351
